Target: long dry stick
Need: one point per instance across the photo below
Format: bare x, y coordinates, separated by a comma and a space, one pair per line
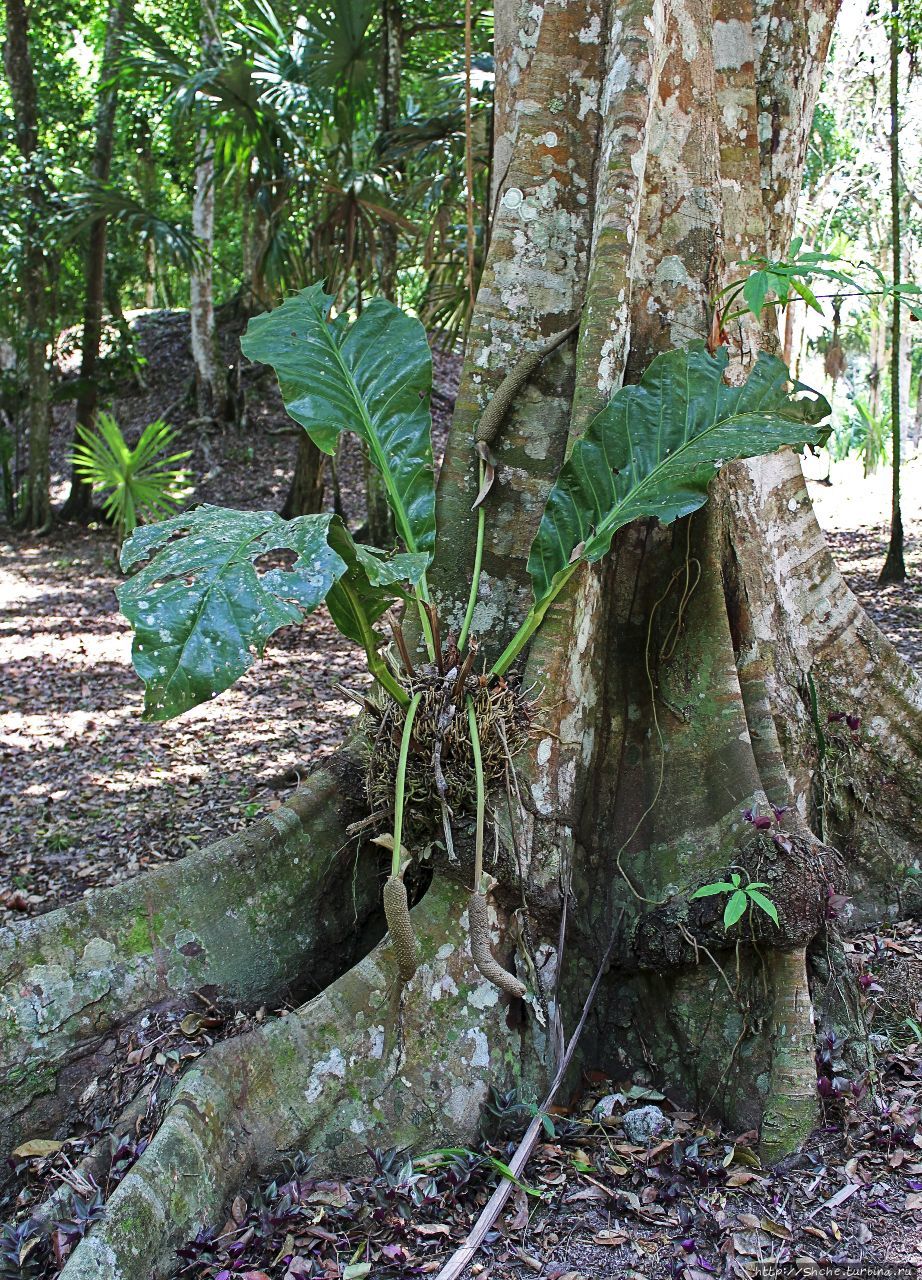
466, 1252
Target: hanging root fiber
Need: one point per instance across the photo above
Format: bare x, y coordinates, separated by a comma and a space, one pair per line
440, 762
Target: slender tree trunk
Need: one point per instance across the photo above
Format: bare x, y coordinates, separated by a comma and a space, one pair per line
305, 494
147, 181
388, 116
33, 280
210, 376
379, 522
877, 359
894, 568
79, 503
211, 390
258, 222
150, 274
788, 347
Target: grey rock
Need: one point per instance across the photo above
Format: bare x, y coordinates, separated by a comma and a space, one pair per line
643, 1124
605, 1106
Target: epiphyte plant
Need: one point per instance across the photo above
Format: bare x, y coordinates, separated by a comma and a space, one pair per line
207, 591
743, 897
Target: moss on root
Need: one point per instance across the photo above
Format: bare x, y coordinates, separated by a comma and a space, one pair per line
352, 1069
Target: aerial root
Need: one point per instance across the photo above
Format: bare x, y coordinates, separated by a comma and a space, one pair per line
333, 1078
440, 765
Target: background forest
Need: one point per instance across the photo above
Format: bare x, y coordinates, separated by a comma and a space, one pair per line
168, 171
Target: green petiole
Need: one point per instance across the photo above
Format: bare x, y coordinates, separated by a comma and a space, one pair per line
533, 620
376, 664
475, 581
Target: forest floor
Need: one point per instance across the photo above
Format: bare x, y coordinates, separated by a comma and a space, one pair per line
693, 1203
90, 794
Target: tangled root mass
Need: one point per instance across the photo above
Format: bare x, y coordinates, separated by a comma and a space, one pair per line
440, 765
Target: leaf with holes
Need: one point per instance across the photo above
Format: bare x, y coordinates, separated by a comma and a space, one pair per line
373, 377
656, 446
202, 605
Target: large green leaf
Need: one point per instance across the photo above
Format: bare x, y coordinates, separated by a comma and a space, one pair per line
656, 446
372, 377
371, 583
201, 605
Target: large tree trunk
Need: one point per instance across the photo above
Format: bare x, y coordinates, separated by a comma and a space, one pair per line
689, 678
79, 502
33, 276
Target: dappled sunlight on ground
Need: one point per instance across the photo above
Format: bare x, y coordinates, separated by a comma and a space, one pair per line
854, 512
90, 791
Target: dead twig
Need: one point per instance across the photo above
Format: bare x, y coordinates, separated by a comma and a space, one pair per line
465, 1253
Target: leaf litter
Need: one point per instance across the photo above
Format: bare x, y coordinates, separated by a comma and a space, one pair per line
694, 1204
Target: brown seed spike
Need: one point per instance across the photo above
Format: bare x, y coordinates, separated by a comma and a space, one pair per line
397, 914
480, 949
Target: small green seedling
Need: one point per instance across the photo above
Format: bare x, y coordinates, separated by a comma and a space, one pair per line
742, 896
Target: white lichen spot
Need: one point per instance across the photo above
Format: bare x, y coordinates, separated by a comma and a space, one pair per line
732, 45
591, 32
447, 986
98, 954
481, 1055
483, 996
376, 1046
333, 1065
615, 82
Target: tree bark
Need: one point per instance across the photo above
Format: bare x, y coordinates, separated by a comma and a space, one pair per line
79, 504
686, 680
33, 279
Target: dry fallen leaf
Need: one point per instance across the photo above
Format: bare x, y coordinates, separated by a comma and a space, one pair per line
37, 1147
609, 1238
777, 1229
